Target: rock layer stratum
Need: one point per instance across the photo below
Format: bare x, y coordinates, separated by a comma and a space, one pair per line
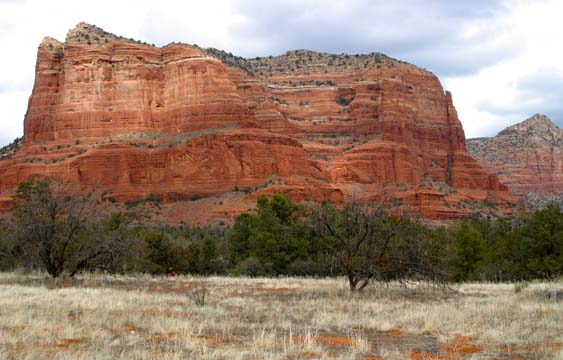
191, 126
528, 158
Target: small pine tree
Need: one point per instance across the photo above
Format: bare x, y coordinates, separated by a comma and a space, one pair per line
469, 251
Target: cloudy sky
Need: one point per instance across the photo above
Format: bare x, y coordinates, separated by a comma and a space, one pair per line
502, 60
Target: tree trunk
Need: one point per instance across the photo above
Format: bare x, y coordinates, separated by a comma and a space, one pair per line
363, 285
353, 280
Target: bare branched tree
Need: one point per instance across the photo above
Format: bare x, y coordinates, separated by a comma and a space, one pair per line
369, 244
55, 223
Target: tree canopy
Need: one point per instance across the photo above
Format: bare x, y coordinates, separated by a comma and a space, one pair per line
69, 232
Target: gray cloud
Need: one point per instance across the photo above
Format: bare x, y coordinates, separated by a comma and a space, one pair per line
426, 33
539, 92
547, 81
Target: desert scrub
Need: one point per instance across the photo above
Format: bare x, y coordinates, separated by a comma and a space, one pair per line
143, 317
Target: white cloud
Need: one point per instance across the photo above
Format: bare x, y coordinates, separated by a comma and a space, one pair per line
23, 24
206, 23
513, 89
11, 118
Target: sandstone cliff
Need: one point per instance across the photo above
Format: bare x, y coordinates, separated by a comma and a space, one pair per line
182, 123
528, 158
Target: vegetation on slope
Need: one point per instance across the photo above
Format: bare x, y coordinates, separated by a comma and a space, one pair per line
303, 61
8, 151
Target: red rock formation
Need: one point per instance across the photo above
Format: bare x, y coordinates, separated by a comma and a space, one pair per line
180, 122
528, 158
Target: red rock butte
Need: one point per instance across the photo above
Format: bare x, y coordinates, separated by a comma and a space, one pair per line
191, 126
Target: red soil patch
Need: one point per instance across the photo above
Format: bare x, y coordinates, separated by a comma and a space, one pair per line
461, 344
310, 355
455, 349
213, 340
124, 330
553, 346
333, 340
65, 343
509, 350
394, 332
415, 355
327, 340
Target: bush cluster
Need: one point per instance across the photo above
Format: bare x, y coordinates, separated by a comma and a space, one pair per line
69, 233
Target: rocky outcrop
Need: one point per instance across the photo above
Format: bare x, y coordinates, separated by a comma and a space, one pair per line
182, 123
528, 158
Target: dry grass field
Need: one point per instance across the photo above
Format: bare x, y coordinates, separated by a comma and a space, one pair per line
143, 317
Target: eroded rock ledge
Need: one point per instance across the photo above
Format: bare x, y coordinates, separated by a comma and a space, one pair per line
180, 122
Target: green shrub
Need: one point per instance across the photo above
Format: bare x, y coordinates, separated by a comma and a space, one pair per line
163, 256
252, 267
307, 268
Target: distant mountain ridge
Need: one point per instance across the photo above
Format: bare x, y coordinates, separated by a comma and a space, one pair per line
527, 157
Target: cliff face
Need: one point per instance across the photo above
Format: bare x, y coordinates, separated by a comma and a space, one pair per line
181, 123
528, 158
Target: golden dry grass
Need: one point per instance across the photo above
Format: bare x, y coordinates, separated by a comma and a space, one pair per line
143, 317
